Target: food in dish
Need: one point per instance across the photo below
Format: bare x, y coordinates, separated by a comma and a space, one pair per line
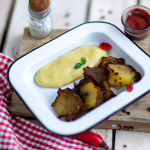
95, 88
91, 95
61, 71
67, 103
120, 74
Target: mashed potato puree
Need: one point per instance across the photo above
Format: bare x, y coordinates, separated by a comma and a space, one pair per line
61, 71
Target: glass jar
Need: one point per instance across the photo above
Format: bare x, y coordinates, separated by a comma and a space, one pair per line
136, 22
40, 23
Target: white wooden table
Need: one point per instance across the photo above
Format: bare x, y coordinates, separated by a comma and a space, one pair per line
66, 14
5, 7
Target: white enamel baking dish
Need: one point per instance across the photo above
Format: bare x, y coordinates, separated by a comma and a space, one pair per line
22, 72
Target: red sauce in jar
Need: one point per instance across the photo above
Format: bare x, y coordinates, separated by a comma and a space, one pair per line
138, 19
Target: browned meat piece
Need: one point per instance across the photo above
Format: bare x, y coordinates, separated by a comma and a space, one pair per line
96, 73
136, 78
82, 82
120, 60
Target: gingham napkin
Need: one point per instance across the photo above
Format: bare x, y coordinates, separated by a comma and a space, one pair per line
19, 134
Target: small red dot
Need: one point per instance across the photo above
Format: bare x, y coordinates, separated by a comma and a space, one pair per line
129, 88
105, 46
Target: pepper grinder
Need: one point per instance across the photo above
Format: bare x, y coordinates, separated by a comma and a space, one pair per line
40, 21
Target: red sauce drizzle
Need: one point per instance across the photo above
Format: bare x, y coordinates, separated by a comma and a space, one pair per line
120, 83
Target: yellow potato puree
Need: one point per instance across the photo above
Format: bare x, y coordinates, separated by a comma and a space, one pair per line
61, 71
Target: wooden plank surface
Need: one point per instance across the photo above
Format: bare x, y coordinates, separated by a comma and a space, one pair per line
65, 15
109, 10
132, 141
5, 6
105, 134
135, 117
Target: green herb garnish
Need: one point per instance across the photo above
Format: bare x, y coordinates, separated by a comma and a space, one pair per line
78, 65
83, 60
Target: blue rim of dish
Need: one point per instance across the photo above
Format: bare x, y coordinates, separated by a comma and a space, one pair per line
105, 102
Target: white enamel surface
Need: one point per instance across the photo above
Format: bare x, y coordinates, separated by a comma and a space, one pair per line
22, 72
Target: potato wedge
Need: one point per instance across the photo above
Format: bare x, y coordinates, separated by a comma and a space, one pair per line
67, 103
77, 114
91, 95
120, 74
109, 93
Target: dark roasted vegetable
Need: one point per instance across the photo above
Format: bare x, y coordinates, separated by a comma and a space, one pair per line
109, 93
95, 88
110, 60
91, 95
77, 114
136, 78
67, 103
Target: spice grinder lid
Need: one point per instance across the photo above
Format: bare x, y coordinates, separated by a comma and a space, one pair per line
39, 5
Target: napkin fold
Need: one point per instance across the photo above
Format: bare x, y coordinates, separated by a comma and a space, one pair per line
17, 133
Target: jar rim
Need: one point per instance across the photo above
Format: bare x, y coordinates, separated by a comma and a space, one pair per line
131, 8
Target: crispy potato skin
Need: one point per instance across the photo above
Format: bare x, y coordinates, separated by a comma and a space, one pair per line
91, 95
109, 93
67, 103
77, 114
110, 60
120, 74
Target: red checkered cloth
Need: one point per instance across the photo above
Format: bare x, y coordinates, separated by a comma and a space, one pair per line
19, 134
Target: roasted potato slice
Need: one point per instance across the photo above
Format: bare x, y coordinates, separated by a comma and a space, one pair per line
67, 103
110, 60
109, 93
77, 114
91, 95
120, 75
